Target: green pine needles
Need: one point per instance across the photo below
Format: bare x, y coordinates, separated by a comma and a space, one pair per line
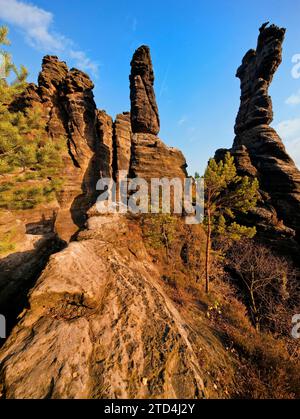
30, 161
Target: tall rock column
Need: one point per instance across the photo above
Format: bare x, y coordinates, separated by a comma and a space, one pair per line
105, 128
277, 173
258, 149
122, 144
144, 111
150, 157
256, 74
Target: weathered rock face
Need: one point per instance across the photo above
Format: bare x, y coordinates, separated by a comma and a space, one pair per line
259, 151
105, 127
144, 111
151, 158
96, 147
82, 169
66, 101
68, 106
256, 74
122, 144
111, 330
20, 266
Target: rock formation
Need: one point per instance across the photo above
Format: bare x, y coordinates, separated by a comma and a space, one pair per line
122, 144
97, 147
144, 111
150, 157
256, 74
257, 148
106, 148
99, 322
65, 99
101, 326
68, 107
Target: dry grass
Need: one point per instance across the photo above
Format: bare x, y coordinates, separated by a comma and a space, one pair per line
237, 360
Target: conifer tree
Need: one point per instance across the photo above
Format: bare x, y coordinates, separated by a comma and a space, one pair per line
226, 194
25, 147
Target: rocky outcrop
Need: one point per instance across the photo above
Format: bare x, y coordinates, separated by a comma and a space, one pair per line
150, 157
107, 317
30, 245
96, 147
100, 326
99, 305
82, 169
256, 74
259, 151
66, 100
144, 111
106, 148
122, 144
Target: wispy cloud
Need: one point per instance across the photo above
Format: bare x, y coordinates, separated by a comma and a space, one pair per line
134, 24
83, 61
37, 26
289, 130
182, 120
294, 99
164, 86
192, 134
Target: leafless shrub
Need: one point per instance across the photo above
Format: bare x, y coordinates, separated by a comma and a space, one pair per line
267, 283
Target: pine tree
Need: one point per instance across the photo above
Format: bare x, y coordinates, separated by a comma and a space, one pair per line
25, 146
226, 194
11, 124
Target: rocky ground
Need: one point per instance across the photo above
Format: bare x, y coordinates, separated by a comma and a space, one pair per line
100, 325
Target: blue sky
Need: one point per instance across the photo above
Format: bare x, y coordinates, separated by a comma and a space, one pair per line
196, 48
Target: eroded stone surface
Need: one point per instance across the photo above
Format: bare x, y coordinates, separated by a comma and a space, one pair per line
259, 151
122, 143
151, 158
106, 148
144, 111
256, 74
100, 326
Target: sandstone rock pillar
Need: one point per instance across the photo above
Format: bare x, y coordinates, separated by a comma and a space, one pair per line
144, 111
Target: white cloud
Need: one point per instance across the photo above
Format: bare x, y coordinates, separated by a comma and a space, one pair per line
182, 120
289, 131
83, 61
293, 99
289, 128
164, 85
134, 24
36, 24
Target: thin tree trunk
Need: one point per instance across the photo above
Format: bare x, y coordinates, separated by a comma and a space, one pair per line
166, 241
207, 255
254, 308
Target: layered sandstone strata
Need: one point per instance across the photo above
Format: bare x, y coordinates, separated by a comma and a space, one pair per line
258, 149
144, 111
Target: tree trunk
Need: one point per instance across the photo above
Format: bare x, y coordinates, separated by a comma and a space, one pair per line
207, 254
166, 241
254, 310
